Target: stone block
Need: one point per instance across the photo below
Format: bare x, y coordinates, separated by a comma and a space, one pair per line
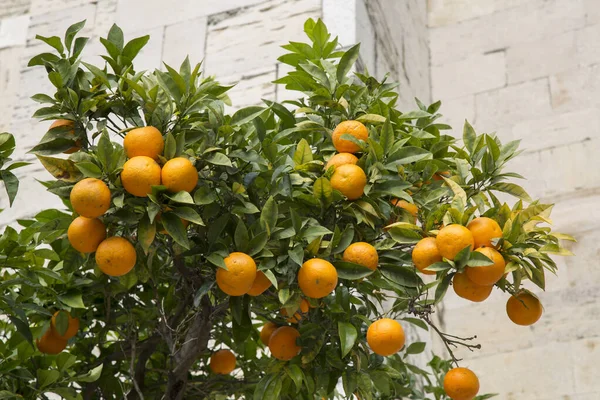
587, 46
250, 88
592, 12
495, 108
54, 22
475, 74
149, 58
547, 56
106, 13
585, 371
530, 21
250, 40
448, 12
39, 7
137, 15
11, 8
13, 31
456, 111
184, 39
576, 89
9, 83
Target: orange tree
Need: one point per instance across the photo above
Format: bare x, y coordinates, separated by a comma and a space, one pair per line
274, 253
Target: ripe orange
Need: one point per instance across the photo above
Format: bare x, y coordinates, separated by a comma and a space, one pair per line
86, 234
179, 174
146, 141
239, 276
65, 122
116, 256
350, 180
385, 337
317, 278
282, 343
139, 174
467, 289
438, 175
354, 128
260, 284
72, 327
266, 332
484, 229
297, 317
424, 254
489, 274
341, 159
411, 208
524, 309
90, 197
362, 253
461, 384
50, 342
453, 238
222, 362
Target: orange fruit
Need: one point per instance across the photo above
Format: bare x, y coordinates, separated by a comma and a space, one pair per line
116, 256
222, 362
467, 289
260, 284
317, 278
90, 197
65, 122
438, 175
524, 309
424, 254
282, 343
341, 159
385, 337
362, 253
139, 174
72, 327
266, 332
350, 180
146, 141
461, 384
86, 234
239, 277
354, 128
179, 174
304, 307
484, 229
490, 274
410, 207
453, 238
50, 342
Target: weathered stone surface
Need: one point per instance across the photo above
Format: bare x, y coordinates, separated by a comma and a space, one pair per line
181, 40
13, 31
447, 12
11, 8
251, 87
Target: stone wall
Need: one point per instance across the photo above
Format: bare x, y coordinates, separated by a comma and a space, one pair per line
528, 69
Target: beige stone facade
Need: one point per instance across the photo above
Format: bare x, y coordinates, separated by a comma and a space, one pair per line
527, 69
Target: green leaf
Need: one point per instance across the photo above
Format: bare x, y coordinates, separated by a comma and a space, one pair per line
59, 168
53, 41
189, 214
115, 36
89, 169
442, 287
352, 271
414, 115
146, 233
241, 237
217, 260
219, 159
296, 374
170, 147
62, 322
348, 336
46, 377
22, 328
402, 276
246, 115
269, 215
512, 189
347, 61
371, 118
418, 322
478, 259
71, 32
182, 197
409, 154
11, 184
323, 191
460, 197
129, 280
133, 47
174, 227
462, 257
469, 137
257, 243
91, 376
303, 153
386, 139
72, 299
415, 348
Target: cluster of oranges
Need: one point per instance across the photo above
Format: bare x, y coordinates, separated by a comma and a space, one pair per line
52, 342
476, 283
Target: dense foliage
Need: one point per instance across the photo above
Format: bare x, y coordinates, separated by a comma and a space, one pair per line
262, 190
